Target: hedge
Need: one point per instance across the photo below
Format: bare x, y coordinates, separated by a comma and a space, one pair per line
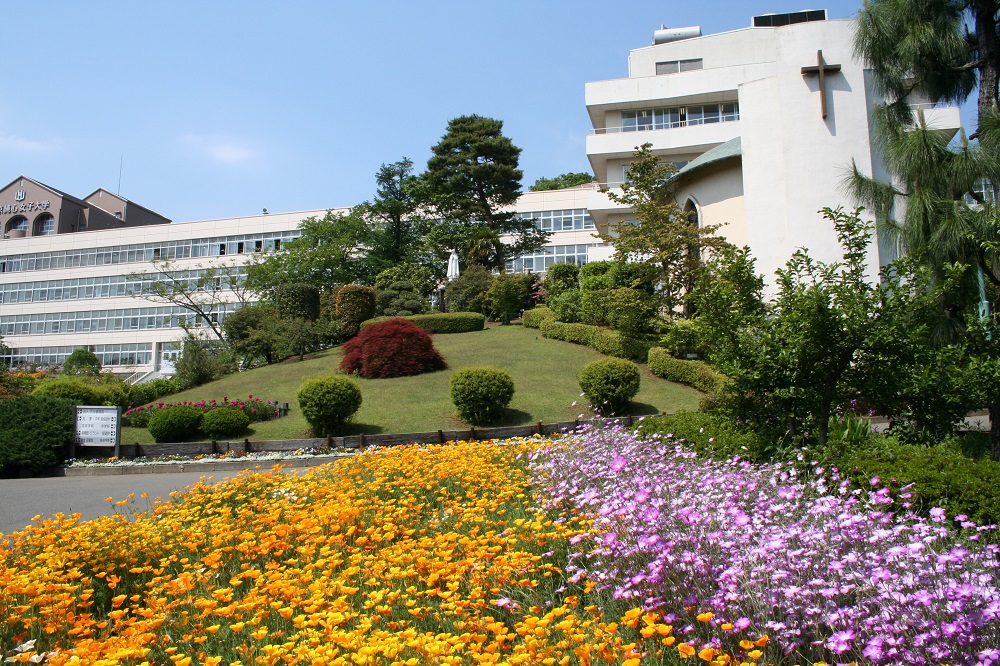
696, 374
441, 322
533, 318
35, 432
580, 334
615, 343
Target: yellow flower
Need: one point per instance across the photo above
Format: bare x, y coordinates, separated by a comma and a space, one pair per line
705, 617
707, 654
685, 650
238, 627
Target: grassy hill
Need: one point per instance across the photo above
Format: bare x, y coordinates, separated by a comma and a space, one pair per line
545, 376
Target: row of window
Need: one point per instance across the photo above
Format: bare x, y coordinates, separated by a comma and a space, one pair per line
45, 224
124, 354
679, 116
539, 262
560, 220
111, 286
142, 252
107, 320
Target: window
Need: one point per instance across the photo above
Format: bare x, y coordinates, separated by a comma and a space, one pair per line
679, 116
18, 224
678, 66
45, 225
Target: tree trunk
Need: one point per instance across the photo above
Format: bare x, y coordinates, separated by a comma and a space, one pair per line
995, 431
988, 45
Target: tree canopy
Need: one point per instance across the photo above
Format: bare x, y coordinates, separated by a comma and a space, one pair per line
562, 181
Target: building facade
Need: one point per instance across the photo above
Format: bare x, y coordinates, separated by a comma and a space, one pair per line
763, 124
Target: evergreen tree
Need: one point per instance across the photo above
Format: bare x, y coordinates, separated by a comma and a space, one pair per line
472, 177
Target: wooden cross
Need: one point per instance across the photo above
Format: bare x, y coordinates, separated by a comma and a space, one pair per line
822, 69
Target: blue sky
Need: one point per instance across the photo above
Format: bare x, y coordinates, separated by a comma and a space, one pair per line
221, 109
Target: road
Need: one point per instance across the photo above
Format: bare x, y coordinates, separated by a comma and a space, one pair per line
22, 499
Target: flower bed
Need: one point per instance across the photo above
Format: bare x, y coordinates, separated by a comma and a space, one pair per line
256, 408
830, 573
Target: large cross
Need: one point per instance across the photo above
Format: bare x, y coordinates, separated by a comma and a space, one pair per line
822, 69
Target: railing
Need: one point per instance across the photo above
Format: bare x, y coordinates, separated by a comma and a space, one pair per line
662, 126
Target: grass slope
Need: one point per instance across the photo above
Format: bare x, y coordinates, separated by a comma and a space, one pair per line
545, 376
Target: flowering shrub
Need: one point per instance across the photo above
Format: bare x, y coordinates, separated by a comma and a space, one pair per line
830, 573
394, 348
255, 409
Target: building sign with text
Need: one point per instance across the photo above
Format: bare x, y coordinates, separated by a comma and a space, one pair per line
98, 426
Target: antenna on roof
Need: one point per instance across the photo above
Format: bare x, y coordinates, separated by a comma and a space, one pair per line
120, 163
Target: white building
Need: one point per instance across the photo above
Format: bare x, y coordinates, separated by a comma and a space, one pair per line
763, 123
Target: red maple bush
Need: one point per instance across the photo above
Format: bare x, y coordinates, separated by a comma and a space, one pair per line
394, 348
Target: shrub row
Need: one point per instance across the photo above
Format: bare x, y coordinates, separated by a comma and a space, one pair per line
604, 340
696, 374
442, 322
104, 390
533, 318
254, 408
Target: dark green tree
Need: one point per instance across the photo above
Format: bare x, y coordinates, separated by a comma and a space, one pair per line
398, 226
473, 177
562, 181
82, 362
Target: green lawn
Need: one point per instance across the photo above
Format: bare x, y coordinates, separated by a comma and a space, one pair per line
545, 376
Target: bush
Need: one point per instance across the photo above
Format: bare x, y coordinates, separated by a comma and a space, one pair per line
327, 403
175, 424
481, 394
441, 322
697, 374
594, 307
560, 278
82, 362
566, 306
710, 435
225, 422
509, 294
202, 361
629, 310
147, 392
394, 348
682, 338
400, 299
35, 432
421, 277
296, 300
75, 389
610, 384
619, 345
580, 334
533, 318
467, 292
355, 303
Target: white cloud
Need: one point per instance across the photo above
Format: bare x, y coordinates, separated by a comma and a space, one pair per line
222, 150
22, 144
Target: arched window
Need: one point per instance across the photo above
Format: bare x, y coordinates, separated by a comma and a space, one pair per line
19, 223
691, 210
45, 225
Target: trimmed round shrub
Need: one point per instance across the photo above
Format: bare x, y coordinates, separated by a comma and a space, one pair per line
175, 424
78, 390
328, 403
481, 394
82, 362
610, 384
35, 432
355, 303
395, 348
225, 422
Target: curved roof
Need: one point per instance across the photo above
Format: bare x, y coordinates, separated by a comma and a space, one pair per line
724, 151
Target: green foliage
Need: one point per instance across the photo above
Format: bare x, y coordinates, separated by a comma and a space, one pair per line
35, 432
400, 299
355, 304
665, 238
422, 278
474, 179
297, 300
559, 278
509, 294
567, 306
175, 424
327, 403
202, 361
254, 332
629, 310
697, 374
610, 384
397, 229
562, 181
78, 390
580, 334
82, 362
468, 292
711, 435
225, 422
481, 393
593, 302
682, 338
534, 317
618, 344
441, 322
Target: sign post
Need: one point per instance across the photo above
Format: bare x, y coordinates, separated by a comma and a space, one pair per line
98, 426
